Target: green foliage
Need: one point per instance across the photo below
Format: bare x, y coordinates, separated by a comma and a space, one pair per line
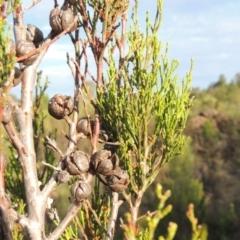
180, 177
143, 91
15, 189
71, 232
209, 133
160, 213
172, 229
101, 205
151, 221
7, 53
13, 178
221, 97
198, 231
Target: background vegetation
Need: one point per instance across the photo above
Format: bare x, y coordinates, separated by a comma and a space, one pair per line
207, 173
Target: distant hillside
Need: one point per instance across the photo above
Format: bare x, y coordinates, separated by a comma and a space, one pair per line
208, 173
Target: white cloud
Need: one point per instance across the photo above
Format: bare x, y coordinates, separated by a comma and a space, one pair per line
208, 31
46, 28
57, 51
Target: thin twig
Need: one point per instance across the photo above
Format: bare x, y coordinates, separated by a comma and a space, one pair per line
53, 145
68, 63
85, 108
81, 228
134, 210
68, 138
80, 136
110, 143
92, 77
68, 120
85, 25
71, 37
124, 226
35, 2
105, 59
85, 58
65, 222
87, 114
84, 46
95, 215
83, 82
88, 221
148, 214
51, 166
12, 133
100, 179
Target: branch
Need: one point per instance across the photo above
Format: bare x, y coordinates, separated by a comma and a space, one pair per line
128, 199
134, 210
113, 217
65, 222
19, 146
24, 143
18, 218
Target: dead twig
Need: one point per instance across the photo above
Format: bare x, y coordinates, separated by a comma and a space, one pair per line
68, 63
35, 2
83, 82
148, 214
95, 216
51, 143
81, 228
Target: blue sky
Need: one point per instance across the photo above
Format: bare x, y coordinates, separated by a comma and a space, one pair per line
206, 30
